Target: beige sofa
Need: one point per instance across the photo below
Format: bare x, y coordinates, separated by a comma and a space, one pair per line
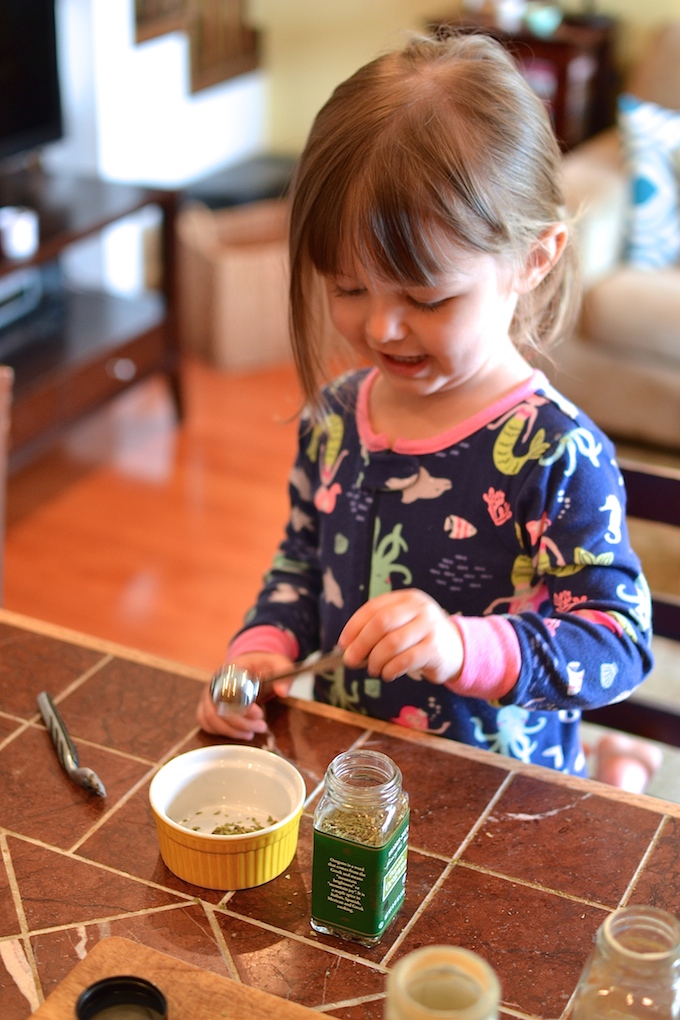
623, 365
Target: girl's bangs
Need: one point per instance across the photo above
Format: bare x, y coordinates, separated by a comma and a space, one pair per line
389, 235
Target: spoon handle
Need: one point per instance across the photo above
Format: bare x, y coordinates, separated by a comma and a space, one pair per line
328, 661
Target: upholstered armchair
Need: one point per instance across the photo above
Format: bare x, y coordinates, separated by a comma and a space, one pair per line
622, 367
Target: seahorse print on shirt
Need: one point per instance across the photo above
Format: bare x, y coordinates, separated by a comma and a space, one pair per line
612, 506
384, 560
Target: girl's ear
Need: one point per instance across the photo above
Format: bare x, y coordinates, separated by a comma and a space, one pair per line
543, 256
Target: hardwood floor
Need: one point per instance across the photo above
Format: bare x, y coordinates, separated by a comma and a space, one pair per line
152, 534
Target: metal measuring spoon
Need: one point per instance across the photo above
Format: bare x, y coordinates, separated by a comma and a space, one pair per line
66, 749
234, 689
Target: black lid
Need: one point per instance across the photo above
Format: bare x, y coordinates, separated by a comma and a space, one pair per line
125, 990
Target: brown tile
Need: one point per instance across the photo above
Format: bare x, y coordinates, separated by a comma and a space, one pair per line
446, 798
31, 663
514, 928
285, 902
564, 839
183, 932
128, 842
134, 708
659, 884
9, 922
38, 799
293, 969
57, 889
7, 726
310, 741
18, 994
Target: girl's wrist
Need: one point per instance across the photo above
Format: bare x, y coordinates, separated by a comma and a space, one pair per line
491, 657
265, 638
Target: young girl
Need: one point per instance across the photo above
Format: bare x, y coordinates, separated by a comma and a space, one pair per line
457, 527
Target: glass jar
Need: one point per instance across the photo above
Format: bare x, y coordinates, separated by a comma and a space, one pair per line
360, 847
634, 970
442, 983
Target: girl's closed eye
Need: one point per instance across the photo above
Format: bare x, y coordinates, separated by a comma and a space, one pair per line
346, 291
428, 306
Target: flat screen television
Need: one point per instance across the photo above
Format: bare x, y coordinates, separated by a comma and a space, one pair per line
30, 101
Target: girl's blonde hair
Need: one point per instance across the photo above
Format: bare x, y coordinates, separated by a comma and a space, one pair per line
439, 146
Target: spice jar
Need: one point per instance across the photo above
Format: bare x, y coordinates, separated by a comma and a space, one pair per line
442, 983
634, 970
360, 847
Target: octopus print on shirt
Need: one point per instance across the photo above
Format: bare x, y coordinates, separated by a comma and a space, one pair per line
518, 512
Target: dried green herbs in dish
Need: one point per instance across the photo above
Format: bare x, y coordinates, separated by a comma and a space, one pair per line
242, 828
235, 823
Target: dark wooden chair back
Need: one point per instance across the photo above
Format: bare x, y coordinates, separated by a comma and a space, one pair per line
653, 495
6, 380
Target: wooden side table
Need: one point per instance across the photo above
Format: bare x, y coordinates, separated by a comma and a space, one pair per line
572, 70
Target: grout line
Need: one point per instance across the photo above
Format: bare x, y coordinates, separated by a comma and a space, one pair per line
22, 726
648, 852
124, 799
218, 935
360, 1000
307, 940
97, 864
527, 883
99, 921
13, 884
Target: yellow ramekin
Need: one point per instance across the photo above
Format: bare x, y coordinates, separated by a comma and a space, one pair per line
240, 780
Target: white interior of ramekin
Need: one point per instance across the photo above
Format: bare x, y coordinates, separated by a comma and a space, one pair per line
241, 781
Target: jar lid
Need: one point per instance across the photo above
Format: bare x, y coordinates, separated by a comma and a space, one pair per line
123, 991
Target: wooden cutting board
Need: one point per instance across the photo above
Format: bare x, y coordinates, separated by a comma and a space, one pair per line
190, 991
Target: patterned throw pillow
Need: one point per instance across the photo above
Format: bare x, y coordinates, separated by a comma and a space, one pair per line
651, 137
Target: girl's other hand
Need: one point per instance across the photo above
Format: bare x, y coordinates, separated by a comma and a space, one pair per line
244, 726
404, 631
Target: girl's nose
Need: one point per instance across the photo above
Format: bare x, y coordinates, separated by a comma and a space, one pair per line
385, 323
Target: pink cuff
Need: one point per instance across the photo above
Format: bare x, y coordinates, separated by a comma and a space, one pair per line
492, 657
265, 639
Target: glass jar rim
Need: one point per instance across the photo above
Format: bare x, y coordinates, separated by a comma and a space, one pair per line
658, 922
365, 775
445, 963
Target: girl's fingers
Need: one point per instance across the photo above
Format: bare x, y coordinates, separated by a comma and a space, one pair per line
238, 727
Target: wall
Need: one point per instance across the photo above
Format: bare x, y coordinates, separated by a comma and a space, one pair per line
129, 116
311, 45
128, 110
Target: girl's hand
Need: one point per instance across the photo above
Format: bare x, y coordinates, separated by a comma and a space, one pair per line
244, 726
404, 631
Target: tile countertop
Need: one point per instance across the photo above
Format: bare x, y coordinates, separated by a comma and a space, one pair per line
515, 862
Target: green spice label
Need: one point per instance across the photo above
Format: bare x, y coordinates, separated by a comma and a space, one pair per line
357, 888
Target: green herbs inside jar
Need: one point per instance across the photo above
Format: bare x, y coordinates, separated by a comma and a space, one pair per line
360, 847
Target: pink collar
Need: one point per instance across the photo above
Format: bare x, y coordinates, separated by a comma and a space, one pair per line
378, 441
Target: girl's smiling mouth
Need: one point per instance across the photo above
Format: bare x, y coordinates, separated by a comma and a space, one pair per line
405, 364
